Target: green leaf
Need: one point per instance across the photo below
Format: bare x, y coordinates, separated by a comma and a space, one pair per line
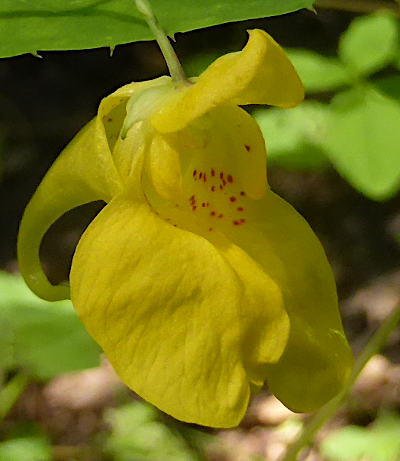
377, 443
370, 43
363, 141
26, 449
45, 339
318, 72
390, 86
295, 138
29, 26
397, 60
136, 433
346, 444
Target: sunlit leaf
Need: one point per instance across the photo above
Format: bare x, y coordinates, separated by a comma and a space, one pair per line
295, 138
45, 339
318, 72
26, 449
370, 43
377, 443
136, 433
363, 141
29, 26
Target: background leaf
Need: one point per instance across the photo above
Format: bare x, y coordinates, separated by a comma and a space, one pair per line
136, 433
46, 339
318, 72
363, 140
26, 449
377, 443
295, 138
370, 43
27, 26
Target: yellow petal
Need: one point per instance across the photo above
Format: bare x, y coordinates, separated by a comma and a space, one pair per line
222, 158
317, 361
185, 327
259, 74
165, 169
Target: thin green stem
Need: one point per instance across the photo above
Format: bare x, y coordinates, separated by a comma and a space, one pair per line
376, 342
174, 66
10, 393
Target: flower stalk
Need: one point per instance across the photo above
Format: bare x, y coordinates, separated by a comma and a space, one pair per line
173, 63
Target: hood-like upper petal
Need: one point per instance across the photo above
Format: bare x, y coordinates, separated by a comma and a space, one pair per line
259, 74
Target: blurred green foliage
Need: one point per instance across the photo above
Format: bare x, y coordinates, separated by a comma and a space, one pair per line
295, 138
358, 130
381, 442
41, 338
370, 43
137, 433
32, 448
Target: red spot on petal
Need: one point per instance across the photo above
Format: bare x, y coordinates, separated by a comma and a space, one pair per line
200, 175
210, 229
221, 175
194, 173
213, 213
232, 199
213, 189
247, 147
203, 205
242, 221
236, 223
242, 194
194, 207
240, 208
205, 178
224, 182
212, 172
220, 215
230, 179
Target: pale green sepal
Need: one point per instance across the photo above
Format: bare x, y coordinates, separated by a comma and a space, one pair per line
143, 103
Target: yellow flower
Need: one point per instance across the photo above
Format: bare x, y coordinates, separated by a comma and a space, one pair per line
196, 279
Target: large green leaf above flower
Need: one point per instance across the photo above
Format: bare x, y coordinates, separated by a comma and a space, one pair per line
199, 282
28, 27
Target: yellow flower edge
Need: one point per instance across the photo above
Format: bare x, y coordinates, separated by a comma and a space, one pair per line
198, 281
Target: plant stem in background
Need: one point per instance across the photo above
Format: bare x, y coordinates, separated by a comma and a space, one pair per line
374, 345
359, 6
10, 393
174, 66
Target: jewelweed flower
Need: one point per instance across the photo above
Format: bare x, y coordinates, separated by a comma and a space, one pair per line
197, 280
